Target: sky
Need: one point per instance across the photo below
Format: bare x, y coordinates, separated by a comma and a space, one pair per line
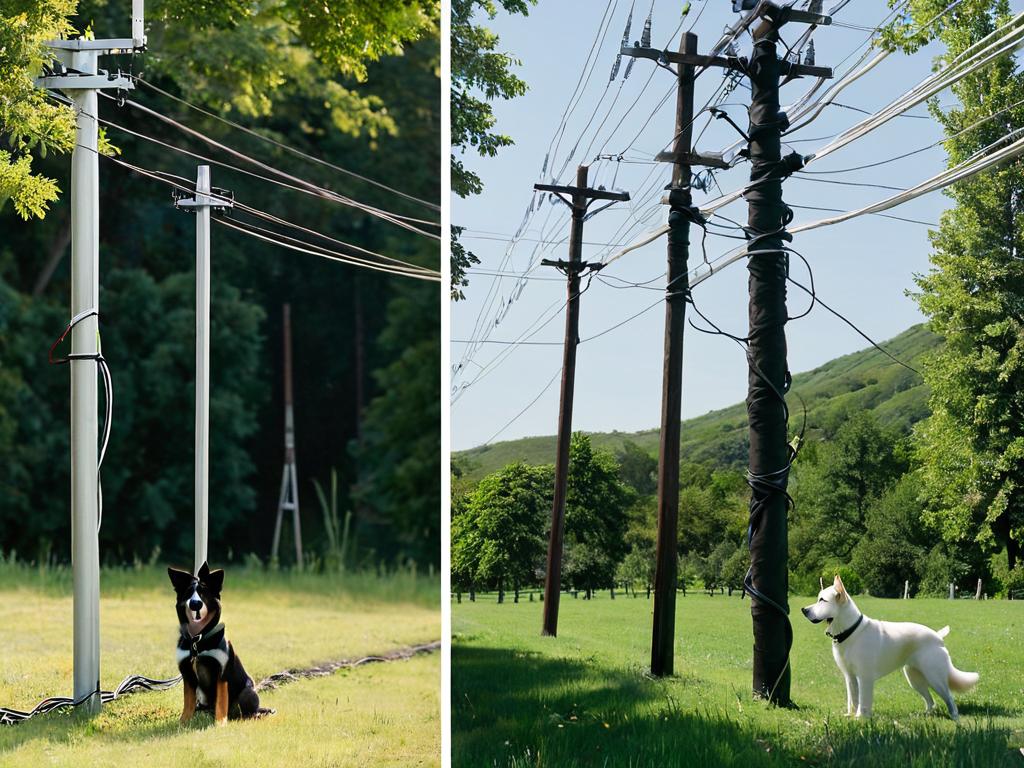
864, 268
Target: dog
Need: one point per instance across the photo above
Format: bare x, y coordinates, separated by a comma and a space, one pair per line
211, 671
866, 650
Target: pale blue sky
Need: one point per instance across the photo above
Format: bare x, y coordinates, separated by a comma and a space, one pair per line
863, 268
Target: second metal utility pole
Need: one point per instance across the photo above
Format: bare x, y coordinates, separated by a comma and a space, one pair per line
578, 200
201, 204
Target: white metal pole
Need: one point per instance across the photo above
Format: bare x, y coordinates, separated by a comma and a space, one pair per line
85, 552
202, 460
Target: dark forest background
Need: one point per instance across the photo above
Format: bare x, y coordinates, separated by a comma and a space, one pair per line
366, 344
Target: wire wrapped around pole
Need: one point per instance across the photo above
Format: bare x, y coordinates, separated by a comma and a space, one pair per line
767, 581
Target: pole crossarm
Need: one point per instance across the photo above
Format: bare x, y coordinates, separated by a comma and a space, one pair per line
571, 266
710, 160
735, 63
582, 196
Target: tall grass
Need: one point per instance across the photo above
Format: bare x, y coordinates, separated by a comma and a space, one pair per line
368, 584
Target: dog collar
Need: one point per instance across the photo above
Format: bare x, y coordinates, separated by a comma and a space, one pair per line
204, 641
846, 632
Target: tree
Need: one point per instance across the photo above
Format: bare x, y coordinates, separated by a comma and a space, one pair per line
972, 445
399, 451
596, 518
637, 468
28, 120
833, 495
499, 537
895, 540
479, 69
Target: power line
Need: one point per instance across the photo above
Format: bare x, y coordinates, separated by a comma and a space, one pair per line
407, 269
281, 145
398, 220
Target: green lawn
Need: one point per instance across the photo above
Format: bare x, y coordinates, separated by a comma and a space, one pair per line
375, 715
583, 699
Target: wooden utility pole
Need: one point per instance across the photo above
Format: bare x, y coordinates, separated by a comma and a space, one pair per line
289, 498
676, 290
768, 374
681, 214
578, 200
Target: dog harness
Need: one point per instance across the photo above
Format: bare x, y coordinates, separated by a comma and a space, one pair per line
211, 644
846, 632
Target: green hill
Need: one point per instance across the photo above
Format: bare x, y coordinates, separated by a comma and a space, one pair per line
863, 381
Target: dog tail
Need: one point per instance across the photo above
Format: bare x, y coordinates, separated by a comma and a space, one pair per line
961, 681
943, 632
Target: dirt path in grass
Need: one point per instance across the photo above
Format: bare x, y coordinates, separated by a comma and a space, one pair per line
326, 668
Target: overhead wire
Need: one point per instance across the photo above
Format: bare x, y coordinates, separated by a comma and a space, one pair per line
281, 145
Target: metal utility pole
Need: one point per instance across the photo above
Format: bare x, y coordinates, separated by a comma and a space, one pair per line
578, 200
289, 498
76, 73
768, 375
202, 204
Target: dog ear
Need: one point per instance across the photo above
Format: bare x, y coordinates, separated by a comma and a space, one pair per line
204, 571
214, 580
840, 589
181, 580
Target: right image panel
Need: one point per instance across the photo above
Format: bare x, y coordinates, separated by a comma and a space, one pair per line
735, 383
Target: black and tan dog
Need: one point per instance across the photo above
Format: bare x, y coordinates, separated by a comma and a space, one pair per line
212, 673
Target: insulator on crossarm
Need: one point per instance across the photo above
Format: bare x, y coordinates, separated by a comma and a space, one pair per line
544, 170
809, 54
629, 25
615, 68
815, 6
629, 68
645, 38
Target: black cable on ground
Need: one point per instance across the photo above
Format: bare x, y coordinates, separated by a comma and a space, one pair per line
130, 684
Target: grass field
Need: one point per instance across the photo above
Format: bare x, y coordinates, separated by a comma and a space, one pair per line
375, 715
583, 699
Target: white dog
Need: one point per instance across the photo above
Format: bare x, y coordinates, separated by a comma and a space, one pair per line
866, 650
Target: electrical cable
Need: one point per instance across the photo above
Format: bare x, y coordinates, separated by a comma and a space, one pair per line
401, 221
406, 270
282, 145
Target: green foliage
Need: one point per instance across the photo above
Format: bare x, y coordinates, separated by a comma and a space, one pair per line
595, 517
637, 468
336, 550
894, 540
832, 495
938, 568
27, 119
972, 446
498, 539
400, 449
480, 74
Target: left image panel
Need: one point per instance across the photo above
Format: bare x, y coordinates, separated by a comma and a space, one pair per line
220, 346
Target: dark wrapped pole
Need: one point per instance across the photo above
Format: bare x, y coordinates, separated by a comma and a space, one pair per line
677, 288
768, 579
